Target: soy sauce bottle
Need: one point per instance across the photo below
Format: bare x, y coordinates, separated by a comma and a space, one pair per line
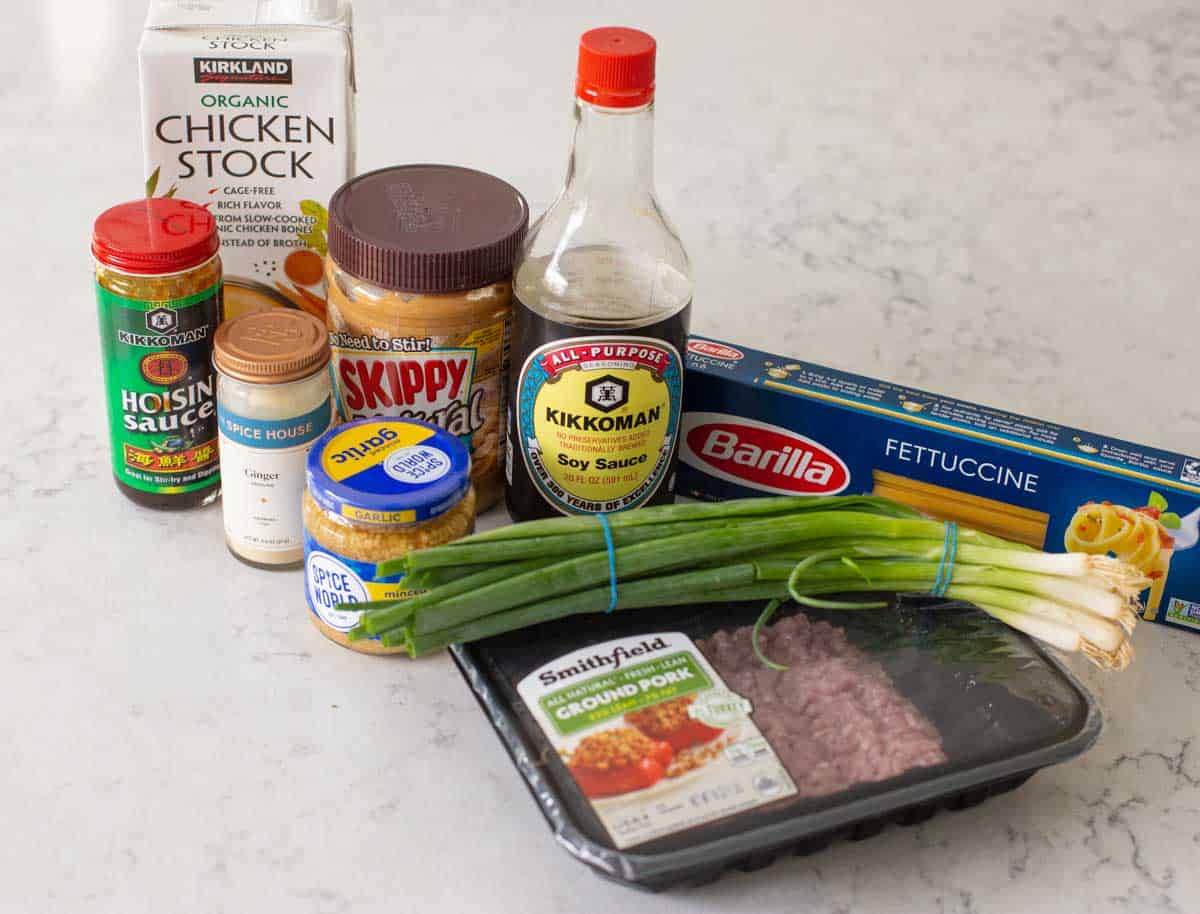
602, 299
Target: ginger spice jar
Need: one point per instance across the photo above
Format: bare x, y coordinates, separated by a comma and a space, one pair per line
419, 280
377, 490
273, 402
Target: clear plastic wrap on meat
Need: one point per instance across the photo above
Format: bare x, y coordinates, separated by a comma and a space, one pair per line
833, 716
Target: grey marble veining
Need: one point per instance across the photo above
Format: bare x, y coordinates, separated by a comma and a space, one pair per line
997, 201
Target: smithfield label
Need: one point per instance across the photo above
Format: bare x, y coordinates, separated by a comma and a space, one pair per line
591, 705
598, 419
761, 456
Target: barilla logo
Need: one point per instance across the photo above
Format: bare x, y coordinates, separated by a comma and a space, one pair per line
760, 456
271, 70
715, 351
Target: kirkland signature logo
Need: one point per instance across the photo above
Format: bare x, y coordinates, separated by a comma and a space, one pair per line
268, 70
760, 456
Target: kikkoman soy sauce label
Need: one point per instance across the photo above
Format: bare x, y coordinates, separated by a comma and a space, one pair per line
597, 420
161, 406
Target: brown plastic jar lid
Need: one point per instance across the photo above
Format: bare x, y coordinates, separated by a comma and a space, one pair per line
427, 228
271, 347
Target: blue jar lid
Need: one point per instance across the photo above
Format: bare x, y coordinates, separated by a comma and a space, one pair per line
388, 471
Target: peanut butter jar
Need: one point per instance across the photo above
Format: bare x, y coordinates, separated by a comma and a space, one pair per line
419, 279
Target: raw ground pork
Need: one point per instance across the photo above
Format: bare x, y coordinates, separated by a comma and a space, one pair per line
833, 717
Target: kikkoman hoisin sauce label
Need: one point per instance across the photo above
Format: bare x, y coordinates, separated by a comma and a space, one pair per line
161, 389
597, 420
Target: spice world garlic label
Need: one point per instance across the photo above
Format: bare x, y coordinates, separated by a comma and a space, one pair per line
652, 737
598, 419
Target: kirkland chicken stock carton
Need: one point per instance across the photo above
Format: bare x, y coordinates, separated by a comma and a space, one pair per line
248, 110
756, 423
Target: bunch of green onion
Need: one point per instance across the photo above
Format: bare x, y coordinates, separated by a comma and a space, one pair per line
749, 549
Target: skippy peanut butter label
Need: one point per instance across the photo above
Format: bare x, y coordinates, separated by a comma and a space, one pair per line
652, 737
597, 420
451, 380
433, 378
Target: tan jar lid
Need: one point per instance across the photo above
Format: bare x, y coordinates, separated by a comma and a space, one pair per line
271, 347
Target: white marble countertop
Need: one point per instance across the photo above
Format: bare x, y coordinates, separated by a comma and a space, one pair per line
998, 201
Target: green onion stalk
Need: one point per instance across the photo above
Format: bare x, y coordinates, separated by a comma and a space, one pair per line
770, 549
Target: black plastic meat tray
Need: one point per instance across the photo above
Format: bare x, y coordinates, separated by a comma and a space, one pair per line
1004, 708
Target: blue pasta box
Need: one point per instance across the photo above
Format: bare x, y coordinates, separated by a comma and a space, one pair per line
757, 424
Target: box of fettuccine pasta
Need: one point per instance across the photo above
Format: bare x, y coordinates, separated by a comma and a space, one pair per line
756, 423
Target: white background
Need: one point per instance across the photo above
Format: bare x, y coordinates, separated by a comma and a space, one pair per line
997, 201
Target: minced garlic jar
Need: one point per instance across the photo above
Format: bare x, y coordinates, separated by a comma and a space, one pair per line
274, 399
377, 490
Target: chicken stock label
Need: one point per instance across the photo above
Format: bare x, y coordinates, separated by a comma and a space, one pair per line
598, 420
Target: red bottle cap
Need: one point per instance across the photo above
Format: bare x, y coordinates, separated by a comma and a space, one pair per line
155, 235
616, 68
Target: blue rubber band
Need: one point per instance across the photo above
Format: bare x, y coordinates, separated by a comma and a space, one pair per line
612, 563
945, 573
